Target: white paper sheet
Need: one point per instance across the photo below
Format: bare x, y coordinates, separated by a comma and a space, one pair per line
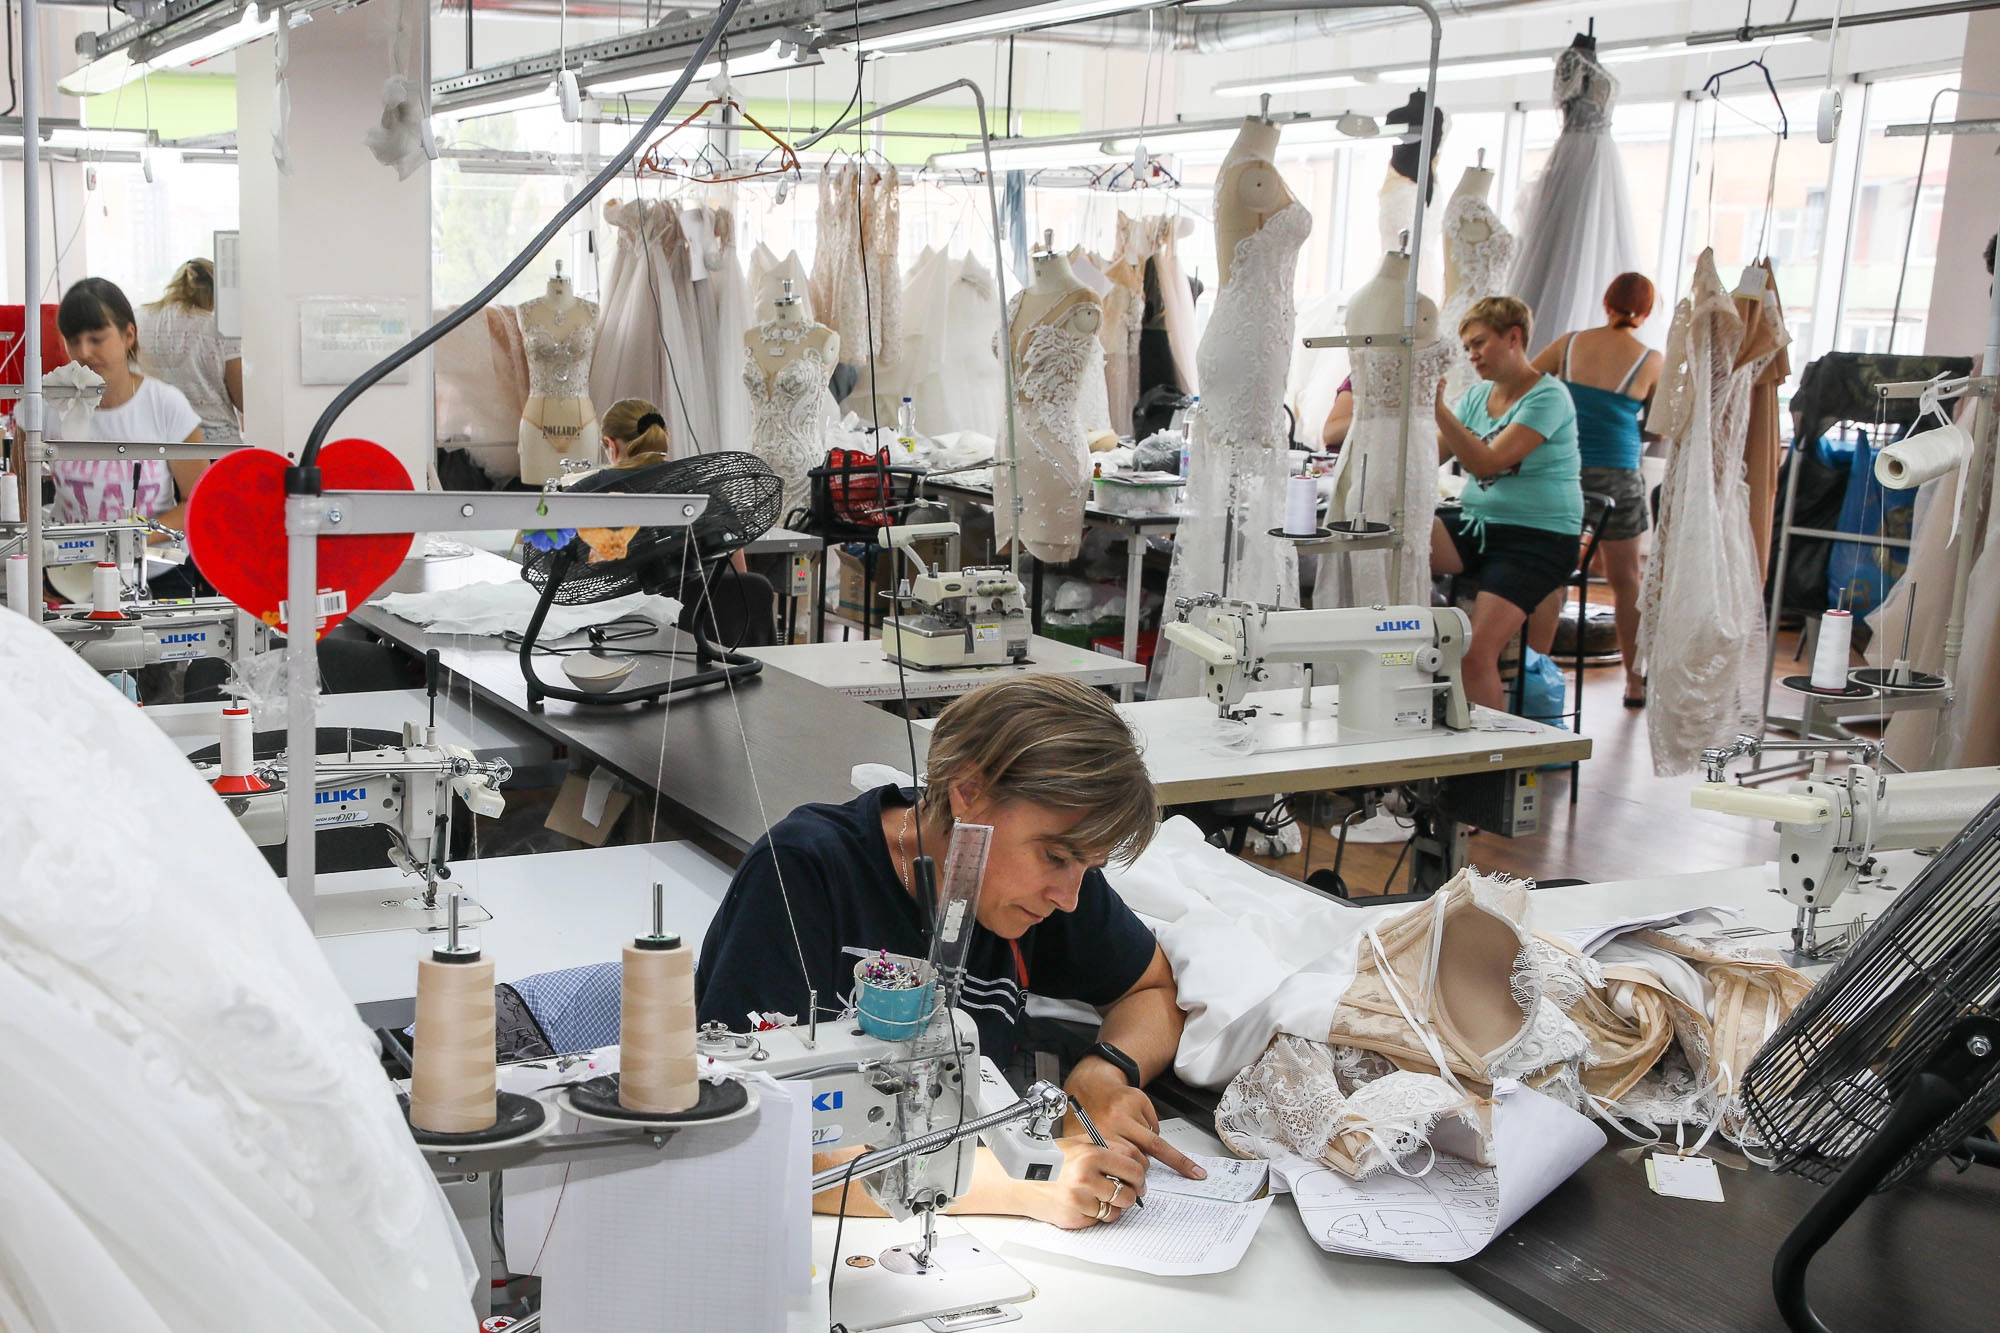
495, 608
1230, 1179
1172, 1236
1589, 939
1453, 1210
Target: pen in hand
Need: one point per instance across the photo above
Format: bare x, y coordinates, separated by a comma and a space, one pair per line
1083, 1118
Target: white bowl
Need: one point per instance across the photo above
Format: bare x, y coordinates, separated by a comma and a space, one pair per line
596, 672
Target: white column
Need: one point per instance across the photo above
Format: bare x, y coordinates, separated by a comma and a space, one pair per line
1850, 147
341, 226
1681, 145
1971, 204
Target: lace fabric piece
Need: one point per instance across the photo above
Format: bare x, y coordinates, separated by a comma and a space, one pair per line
1576, 224
558, 346
1236, 487
1051, 362
1478, 269
1701, 619
789, 411
198, 1134
1380, 405
1345, 1108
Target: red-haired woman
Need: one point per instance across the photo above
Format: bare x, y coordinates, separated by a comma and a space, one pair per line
1611, 376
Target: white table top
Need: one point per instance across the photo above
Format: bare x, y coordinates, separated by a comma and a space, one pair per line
858, 669
487, 731
550, 911
1177, 737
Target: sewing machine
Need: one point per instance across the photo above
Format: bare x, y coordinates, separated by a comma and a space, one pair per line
156, 632
1393, 664
1831, 824
952, 618
405, 789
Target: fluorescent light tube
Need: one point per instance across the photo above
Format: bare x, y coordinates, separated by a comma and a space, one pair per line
990, 25
115, 69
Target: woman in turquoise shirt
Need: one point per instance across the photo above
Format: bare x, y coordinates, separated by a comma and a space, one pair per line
1514, 433
1611, 376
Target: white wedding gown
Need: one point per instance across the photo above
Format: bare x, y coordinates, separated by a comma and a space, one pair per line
1481, 270
949, 367
790, 412
1238, 451
649, 341
1701, 615
1362, 578
195, 1132
1576, 229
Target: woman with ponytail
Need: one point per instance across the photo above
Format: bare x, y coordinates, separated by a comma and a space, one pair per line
1611, 376
634, 433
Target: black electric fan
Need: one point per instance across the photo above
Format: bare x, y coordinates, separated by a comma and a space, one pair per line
682, 561
1893, 1058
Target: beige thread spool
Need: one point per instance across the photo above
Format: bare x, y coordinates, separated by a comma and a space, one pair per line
656, 1059
452, 1086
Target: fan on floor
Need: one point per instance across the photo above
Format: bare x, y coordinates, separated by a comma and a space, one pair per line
1894, 1058
576, 569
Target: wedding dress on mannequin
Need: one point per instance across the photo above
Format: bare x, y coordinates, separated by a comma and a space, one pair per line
1701, 617
786, 362
196, 1132
1478, 250
649, 336
1238, 451
1576, 233
558, 422
1053, 331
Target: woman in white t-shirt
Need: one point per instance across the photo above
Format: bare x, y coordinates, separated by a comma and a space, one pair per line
98, 328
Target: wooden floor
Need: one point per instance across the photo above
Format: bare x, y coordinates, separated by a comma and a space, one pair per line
1626, 822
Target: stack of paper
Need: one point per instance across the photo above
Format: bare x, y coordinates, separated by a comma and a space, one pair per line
1187, 1228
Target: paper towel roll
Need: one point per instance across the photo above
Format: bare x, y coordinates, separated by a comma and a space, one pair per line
106, 600
1836, 639
452, 1086
1301, 505
656, 1057
18, 596
10, 498
1914, 460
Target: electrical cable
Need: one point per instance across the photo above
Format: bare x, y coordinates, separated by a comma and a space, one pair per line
513, 269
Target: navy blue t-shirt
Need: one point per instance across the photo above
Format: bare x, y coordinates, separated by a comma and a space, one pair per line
843, 891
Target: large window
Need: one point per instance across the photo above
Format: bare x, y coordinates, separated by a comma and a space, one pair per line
1897, 207
136, 232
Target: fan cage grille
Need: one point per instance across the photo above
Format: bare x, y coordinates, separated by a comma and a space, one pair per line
743, 500
1823, 1086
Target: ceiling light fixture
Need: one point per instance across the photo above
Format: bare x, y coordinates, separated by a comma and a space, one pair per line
114, 69
776, 58
988, 25
1096, 147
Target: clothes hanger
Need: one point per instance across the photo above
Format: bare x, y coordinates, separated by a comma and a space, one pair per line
711, 165
1714, 89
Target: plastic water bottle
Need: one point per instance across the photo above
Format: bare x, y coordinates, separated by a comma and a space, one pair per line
906, 426
1187, 430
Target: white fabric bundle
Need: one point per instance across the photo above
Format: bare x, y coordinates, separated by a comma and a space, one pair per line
495, 608
195, 1133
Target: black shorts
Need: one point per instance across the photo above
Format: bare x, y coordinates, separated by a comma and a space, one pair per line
1523, 565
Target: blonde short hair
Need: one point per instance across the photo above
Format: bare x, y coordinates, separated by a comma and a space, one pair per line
1053, 743
1500, 313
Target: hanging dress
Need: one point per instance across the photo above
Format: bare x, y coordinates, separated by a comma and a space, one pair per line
1051, 363
649, 333
1701, 615
857, 279
791, 410
1238, 451
1576, 230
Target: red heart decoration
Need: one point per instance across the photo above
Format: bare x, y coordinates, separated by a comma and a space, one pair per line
236, 529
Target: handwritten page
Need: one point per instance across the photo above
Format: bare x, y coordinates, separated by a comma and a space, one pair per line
1230, 1179
1453, 1210
1589, 939
1172, 1236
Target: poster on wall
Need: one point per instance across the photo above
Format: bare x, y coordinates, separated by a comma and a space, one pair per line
340, 337
229, 284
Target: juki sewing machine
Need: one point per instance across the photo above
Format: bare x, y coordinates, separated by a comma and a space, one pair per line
150, 633
1830, 825
952, 618
404, 789
922, 1098
1398, 666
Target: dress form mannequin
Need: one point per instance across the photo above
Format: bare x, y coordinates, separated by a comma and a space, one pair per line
558, 423
786, 362
1476, 183
1377, 305
1053, 335
1250, 189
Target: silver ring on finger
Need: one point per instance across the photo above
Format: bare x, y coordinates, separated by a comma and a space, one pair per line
1117, 1185
1103, 1210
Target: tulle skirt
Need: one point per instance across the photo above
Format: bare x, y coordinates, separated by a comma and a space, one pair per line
1576, 236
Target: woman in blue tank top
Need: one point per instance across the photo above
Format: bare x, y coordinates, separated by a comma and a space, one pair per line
1611, 375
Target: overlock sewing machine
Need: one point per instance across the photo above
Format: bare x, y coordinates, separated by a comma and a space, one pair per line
1398, 666
969, 617
1830, 825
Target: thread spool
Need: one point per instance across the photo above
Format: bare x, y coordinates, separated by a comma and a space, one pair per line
10, 498
1301, 505
19, 598
452, 1084
656, 1059
106, 596
1836, 640
239, 758
1917, 459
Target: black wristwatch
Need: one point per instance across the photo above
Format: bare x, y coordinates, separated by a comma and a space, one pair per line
1125, 1064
